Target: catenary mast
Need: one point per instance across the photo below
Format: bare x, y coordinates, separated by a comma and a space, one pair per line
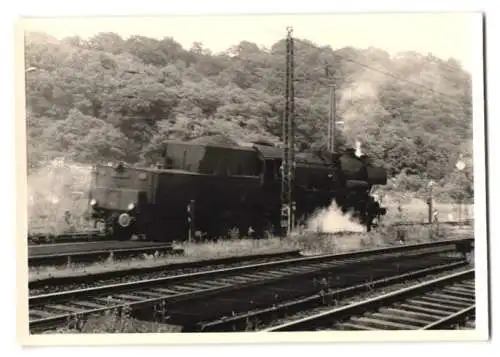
288, 132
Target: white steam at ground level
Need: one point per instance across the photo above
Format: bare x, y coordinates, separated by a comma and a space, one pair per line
333, 220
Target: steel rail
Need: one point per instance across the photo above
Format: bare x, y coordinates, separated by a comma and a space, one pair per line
451, 319
429, 305
49, 310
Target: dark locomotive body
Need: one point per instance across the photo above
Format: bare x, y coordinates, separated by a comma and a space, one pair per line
224, 187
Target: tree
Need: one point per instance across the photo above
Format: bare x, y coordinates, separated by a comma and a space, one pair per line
111, 99
107, 42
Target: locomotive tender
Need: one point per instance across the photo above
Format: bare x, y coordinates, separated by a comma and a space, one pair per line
213, 188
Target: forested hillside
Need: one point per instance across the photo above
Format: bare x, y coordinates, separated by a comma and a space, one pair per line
109, 98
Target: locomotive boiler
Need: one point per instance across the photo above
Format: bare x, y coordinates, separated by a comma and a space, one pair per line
214, 188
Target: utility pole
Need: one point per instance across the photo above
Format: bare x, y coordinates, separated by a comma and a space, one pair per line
288, 161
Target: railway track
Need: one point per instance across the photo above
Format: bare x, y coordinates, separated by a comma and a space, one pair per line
438, 304
467, 222
57, 254
75, 237
186, 295
66, 282
336, 291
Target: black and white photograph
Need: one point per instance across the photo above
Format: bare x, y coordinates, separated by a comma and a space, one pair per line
256, 174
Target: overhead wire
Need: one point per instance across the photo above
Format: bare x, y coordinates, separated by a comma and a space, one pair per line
450, 98
399, 78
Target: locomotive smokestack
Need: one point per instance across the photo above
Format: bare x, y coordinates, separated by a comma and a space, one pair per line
358, 152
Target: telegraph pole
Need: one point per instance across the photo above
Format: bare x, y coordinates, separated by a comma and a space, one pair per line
288, 161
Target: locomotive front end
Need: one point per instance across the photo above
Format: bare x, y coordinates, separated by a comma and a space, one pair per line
361, 176
118, 197
376, 176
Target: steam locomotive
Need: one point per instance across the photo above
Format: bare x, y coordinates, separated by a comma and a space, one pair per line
213, 188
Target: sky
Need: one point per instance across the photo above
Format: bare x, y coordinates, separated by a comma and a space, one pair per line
442, 34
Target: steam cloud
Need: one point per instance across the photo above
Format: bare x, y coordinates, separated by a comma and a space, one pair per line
333, 220
54, 189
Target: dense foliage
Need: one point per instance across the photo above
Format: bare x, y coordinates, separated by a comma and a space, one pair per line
109, 98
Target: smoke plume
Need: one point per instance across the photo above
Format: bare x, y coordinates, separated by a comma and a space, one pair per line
359, 104
358, 152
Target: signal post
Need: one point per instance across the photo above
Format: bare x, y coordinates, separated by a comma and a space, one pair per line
190, 219
460, 165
